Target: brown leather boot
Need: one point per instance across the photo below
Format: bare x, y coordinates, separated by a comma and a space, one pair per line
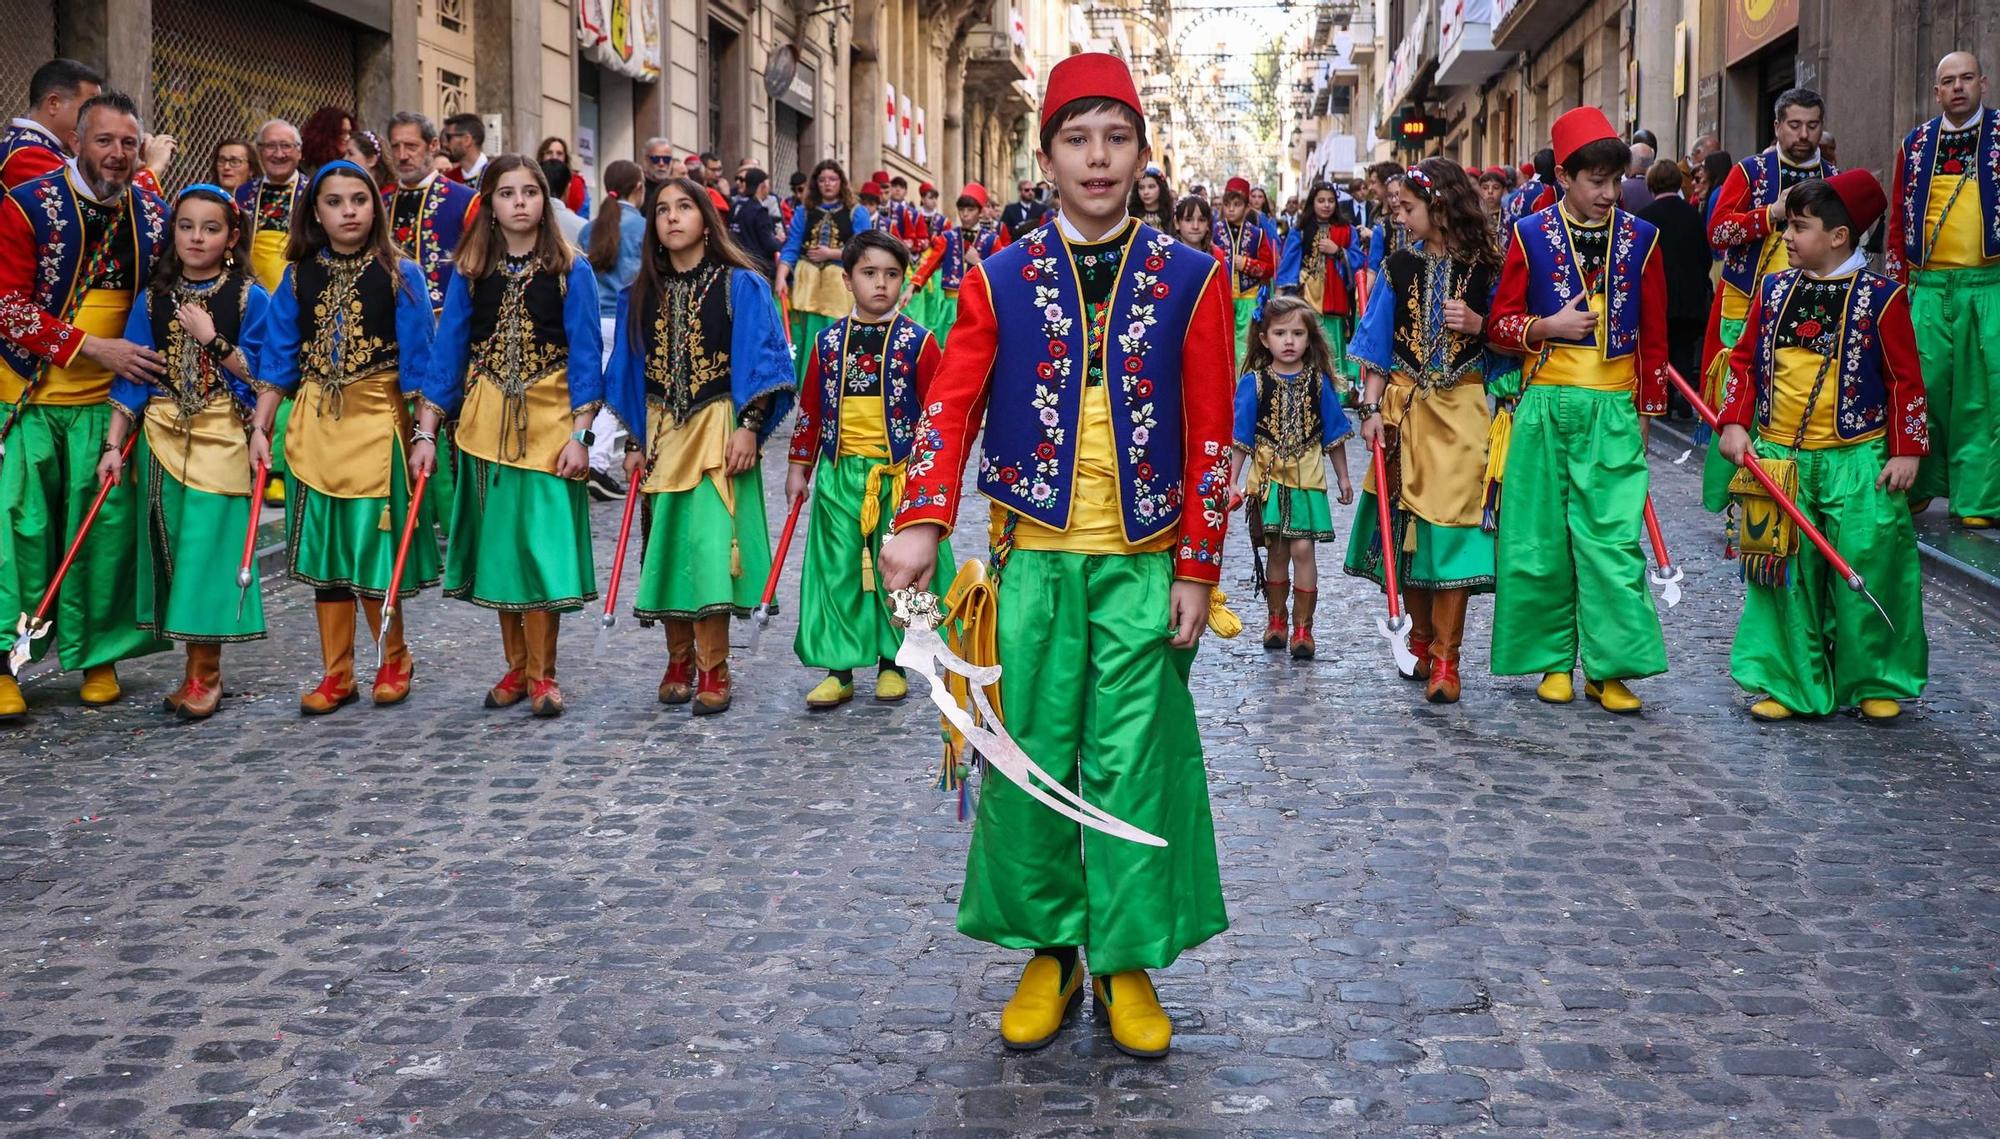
711, 694
1448, 629
336, 650
392, 680
201, 693
1275, 589
545, 699
513, 687
1417, 606
711, 658
1304, 603
677, 686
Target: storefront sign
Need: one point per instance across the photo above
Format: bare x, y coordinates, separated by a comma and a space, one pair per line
1754, 25
621, 35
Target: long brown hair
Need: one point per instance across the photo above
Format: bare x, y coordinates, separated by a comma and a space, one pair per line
483, 246
1453, 202
623, 182
815, 198
716, 246
308, 236
1318, 359
167, 268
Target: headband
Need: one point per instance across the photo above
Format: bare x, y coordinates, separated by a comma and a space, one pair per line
374, 143
339, 165
1423, 180
228, 198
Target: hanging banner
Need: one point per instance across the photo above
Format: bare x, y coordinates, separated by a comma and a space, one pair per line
891, 137
906, 132
621, 35
923, 154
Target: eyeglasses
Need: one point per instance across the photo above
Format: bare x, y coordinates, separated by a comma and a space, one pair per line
231, 160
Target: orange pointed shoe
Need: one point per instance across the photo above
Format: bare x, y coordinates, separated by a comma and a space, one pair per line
333, 694
712, 691
677, 686
1443, 687
512, 689
546, 700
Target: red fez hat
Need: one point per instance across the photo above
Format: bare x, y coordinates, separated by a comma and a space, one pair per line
1862, 196
880, 177
1578, 129
1090, 75
975, 190
1237, 186
1497, 169
871, 188
1527, 170
926, 188
692, 158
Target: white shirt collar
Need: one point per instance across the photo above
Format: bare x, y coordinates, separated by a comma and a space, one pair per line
854, 314
472, 172
32, 125
1970, 120
1072, 233
82, 185
1808, 163
1856, 261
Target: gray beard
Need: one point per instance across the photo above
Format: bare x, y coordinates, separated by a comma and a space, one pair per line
101, 188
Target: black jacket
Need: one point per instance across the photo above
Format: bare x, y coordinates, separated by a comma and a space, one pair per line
1686, 255
1019, 217
756, 231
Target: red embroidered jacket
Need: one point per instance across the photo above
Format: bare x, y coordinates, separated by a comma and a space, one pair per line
956, 408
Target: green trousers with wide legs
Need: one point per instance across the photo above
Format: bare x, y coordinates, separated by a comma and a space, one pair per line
841, 625
47, 482
1957, 316
1246, 316
1571, 575
1813, 644
1095, 693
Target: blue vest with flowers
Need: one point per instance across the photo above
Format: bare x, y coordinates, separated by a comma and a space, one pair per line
1864, 392
1555, 281
50, 203
1920, 166
1739, 262
1041, 363
901, 349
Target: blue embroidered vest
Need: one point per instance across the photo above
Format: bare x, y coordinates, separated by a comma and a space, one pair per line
50, 202
901, 349
434, 236
1919, 166
1243, 241
1554, 280
1739, 262
1864, 392
951, 268
1039, 369
25, 138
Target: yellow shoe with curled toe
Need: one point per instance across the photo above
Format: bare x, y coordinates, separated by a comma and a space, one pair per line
100, 685
12, 704
1040, 1005
1770, 711
1880, 709
274, 491
1555, 688
890, 686
1139, 1026
830, 693
1976, 522
1613, 695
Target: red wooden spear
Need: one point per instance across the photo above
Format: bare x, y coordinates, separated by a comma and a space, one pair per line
1395, 628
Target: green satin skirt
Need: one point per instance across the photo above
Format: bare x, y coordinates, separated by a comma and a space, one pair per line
842, 625
696, 560
350, 543
1295, 512
1571, 580
1097, 696
47, 481
188, 553
1445, 557
1814, 645
520, 540
1957, 317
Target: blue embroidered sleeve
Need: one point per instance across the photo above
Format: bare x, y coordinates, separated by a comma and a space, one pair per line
415, 327
1334, 423
1291, 260
129, 394
795, 237
451, 350
1244, 430
760, 359
585, 333
625, 377
278, 362
250, 340
1370, 345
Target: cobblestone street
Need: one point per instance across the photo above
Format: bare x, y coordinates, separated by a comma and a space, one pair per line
1498, 918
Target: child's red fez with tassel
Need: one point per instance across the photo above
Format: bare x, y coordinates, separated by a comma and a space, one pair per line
1862, 195
1578, 129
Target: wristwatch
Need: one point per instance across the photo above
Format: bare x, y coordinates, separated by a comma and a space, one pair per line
587, 437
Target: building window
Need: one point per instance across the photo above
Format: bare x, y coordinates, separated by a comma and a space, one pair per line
451, 15
454, 92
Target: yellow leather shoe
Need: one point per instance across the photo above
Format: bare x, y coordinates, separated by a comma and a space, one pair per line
1976, 522
100, 685
274, 492
12, 704
890, 686
1555, 688
1880, 709
1770, 711
829, 693
1139, 1026
1613, 695
1040, 1004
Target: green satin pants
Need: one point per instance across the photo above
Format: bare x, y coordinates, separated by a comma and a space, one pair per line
1094, 692
1571, 575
